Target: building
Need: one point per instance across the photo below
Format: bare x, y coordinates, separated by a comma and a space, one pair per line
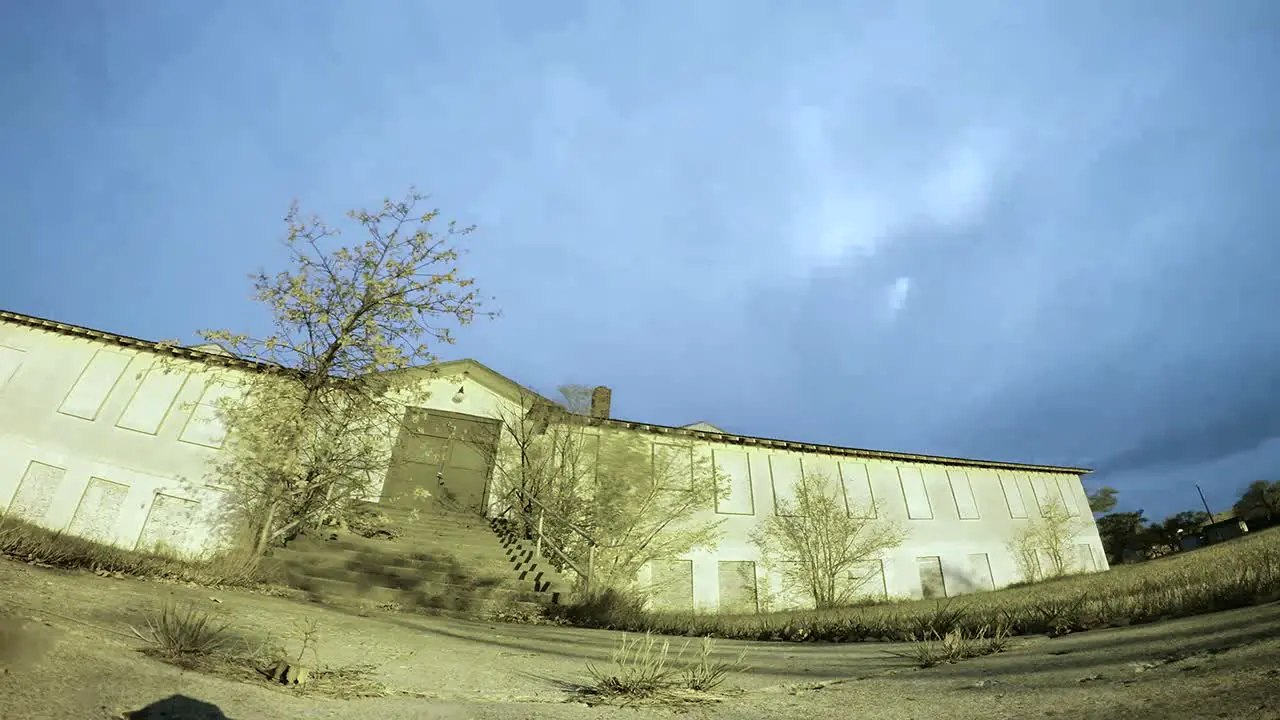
94, 444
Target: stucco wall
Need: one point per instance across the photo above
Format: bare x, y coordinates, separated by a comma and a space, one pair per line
965, 516
95, 441
94, 444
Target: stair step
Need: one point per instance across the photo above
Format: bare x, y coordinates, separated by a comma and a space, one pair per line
440, 596
405, 545
408, 580
452, 604
336, 553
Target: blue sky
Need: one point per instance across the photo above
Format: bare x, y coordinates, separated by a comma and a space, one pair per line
1040, 232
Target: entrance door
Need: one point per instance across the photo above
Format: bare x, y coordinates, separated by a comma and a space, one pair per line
441, 461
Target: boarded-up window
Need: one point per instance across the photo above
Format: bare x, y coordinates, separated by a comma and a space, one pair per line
673, 466
205, 426
95, 383
1066, 486
1013, 495
672, 584
913, 491
99, 510
169, 523
1040, 486
931, 583
980, 572
966, 504
866, 580
858, 497
785, 472
738, 586
733, 477
36, 491
10, 361
1085, 561
152, 400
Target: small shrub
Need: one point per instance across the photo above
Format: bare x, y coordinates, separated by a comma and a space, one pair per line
185, 637
643, 669
704, 675
639, 670
935, 649
609, 609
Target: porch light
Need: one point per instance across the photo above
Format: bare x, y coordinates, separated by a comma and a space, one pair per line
458, 397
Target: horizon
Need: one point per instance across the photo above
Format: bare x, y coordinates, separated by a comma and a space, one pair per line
853, 225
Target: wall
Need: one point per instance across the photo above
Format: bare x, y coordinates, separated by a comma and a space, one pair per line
95, 442
956, 514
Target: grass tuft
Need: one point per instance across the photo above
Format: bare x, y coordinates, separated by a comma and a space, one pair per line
643, 669
186, 637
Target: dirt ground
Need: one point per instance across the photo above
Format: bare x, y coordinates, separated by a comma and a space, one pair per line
66, 645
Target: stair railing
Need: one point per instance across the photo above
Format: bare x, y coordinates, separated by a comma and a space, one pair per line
517, 495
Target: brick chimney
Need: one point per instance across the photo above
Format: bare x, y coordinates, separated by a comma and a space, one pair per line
601, 398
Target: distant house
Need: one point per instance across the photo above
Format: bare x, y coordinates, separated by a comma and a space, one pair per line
93, 445
1224, 529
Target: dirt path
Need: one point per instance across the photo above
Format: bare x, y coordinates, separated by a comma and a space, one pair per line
77, 659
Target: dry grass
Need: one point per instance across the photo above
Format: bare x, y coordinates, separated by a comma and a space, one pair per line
930, 650
1235, 574
196, 639
185, 637
40, 546
643, 669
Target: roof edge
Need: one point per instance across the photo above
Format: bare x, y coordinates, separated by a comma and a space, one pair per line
732, 438
764, 442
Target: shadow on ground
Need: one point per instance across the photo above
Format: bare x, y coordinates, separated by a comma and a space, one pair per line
177, 707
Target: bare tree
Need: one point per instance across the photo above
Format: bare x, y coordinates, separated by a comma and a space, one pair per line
1041, 550
816, 540
311, 438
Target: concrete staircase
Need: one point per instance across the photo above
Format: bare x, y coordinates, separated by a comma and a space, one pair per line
446, 563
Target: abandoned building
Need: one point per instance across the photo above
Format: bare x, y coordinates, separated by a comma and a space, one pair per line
93, 446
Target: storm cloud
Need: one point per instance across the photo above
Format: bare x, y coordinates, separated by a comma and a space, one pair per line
1039, 232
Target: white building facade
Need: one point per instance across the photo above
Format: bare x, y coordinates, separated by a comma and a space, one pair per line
96, 443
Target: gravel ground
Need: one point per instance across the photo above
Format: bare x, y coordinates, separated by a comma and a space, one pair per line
68, 652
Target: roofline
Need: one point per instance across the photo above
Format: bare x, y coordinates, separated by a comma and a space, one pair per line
776, 444
746, 440
187, 353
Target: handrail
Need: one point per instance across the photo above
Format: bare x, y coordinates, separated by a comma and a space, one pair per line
556, 516
592, 543
559, 553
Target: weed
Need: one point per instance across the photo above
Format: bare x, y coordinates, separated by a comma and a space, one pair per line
704, 675
185, 637
643, 669
640, 669
956, 645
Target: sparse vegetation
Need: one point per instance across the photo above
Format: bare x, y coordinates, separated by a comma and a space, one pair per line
1235, 574
933, 649
185, 637
642, 668
196, 639
817, 541
34, 544
1041, 549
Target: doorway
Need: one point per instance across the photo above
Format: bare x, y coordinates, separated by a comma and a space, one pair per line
442, 462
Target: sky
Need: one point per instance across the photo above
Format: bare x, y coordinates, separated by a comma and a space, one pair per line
1034, 232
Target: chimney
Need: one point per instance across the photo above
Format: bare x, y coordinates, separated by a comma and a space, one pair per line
601, 398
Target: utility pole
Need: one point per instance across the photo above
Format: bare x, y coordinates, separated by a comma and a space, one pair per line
1206, 503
